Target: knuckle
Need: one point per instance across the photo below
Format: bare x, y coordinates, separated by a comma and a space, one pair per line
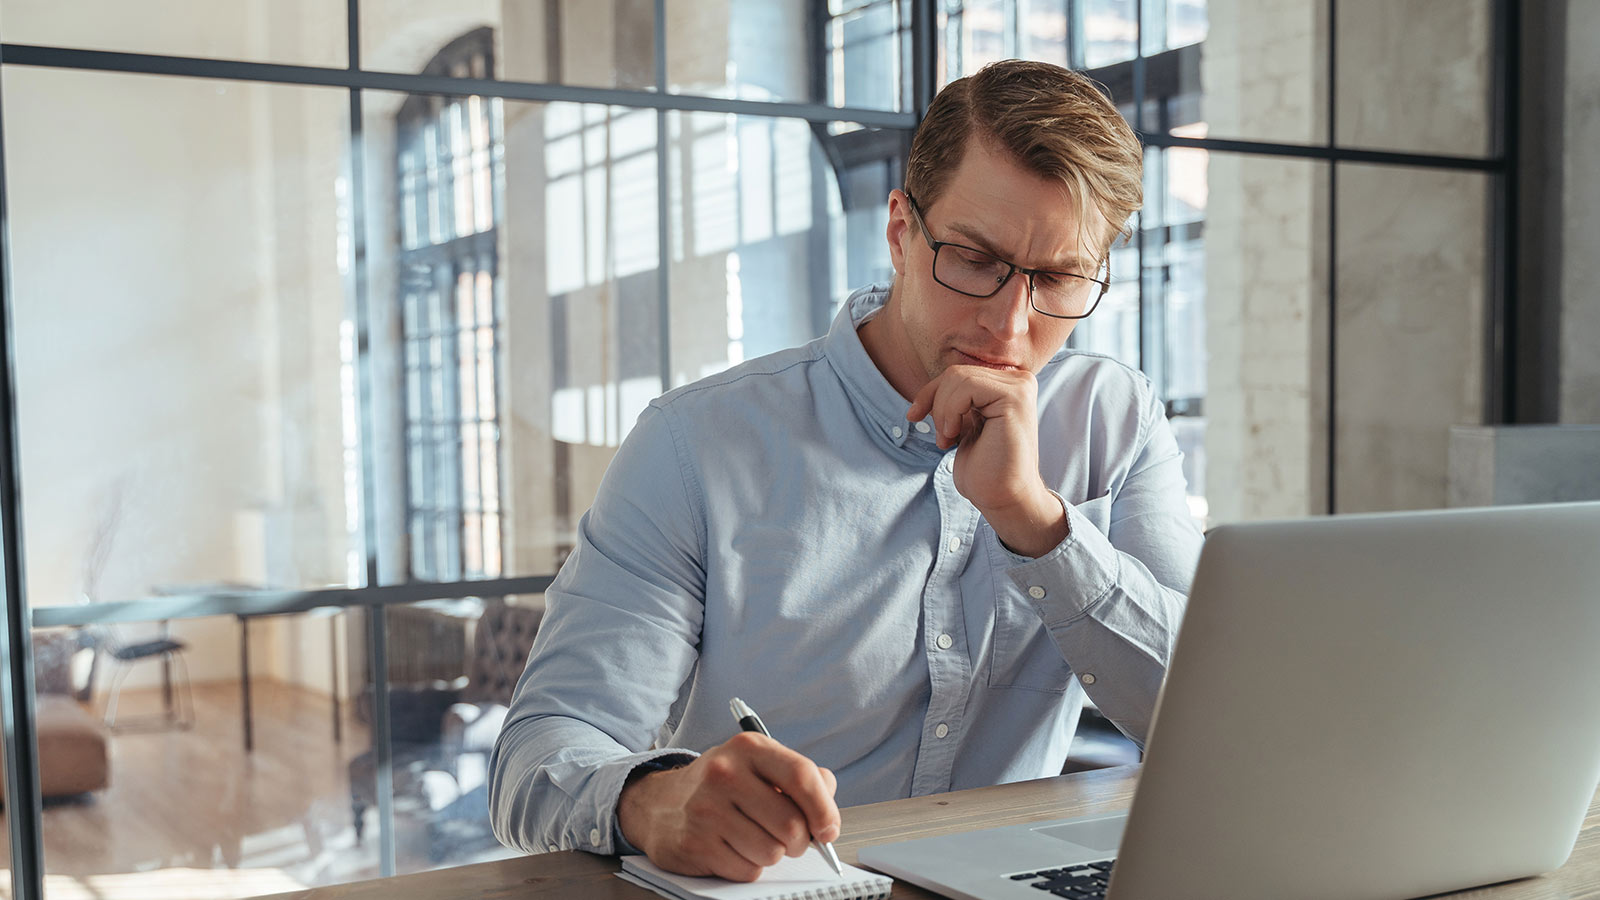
795, 834
798, 770
719, 772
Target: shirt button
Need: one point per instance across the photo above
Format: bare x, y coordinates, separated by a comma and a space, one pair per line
594, 836
942, 730
554, 848
1088, 678
1036, 592
924, 427
944, 641
896, 431
955, 544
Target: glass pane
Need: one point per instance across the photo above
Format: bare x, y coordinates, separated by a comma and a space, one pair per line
1169, 24
766, 50
186, 407
1113, 329
1258, 266
452, 667
1411, 306
1174, 286
1260, 73
1097, 35
183, 807
1415, 76
521, 404
1174, 272
309, 32
1044, 32
1110, 32
976, 33
574, 42
763, 245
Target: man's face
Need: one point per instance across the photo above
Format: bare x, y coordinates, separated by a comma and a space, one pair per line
994, 204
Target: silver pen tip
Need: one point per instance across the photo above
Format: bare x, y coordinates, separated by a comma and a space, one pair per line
832, 857
740, 710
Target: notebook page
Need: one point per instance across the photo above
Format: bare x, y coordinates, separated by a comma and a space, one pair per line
806, 876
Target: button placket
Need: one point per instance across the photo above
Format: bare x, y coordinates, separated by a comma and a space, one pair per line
950, 674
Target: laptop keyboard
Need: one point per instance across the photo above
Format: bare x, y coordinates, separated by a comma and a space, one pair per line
1084, 881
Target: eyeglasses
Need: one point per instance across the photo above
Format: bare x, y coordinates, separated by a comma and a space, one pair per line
970, 271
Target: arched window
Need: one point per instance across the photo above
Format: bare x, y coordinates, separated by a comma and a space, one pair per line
449, 168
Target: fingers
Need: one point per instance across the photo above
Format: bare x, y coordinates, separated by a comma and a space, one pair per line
778, 817
802, 786
717, 857
718, 819
952, 399
962, 398
922, 403
744, 806
828, 779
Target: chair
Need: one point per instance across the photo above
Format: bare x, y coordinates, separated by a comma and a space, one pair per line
164, 649
442, 734
105, 638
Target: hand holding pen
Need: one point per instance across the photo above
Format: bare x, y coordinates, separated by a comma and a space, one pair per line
741, 806
749, 721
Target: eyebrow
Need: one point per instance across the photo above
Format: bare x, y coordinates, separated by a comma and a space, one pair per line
1071, 263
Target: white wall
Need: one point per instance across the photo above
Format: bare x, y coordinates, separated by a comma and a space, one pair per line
177, 300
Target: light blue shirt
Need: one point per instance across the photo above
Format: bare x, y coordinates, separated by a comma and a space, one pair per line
779, 532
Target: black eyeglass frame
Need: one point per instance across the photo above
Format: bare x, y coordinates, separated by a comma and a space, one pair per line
936, 246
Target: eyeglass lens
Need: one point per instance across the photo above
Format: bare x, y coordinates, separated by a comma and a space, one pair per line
979, 274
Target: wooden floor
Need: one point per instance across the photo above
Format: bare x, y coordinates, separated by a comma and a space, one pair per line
191, 814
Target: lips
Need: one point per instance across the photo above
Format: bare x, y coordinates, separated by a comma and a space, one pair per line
967, 359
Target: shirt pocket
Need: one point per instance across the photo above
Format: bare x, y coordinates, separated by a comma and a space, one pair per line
1024, 656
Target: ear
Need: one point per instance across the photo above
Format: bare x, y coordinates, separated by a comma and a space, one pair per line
899, 229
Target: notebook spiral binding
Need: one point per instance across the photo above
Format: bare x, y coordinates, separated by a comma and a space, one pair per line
853, 890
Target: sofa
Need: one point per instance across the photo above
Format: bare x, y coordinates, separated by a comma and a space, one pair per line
74, 755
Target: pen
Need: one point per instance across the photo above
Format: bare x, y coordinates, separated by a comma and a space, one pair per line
749, 721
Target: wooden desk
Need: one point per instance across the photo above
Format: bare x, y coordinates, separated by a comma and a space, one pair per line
575, 874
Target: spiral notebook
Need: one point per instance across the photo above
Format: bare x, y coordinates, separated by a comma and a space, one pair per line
805, 877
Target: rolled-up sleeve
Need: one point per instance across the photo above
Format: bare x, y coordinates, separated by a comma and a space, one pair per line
1112, 601
617, 643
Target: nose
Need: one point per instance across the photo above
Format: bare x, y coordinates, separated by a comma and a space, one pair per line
1005, 315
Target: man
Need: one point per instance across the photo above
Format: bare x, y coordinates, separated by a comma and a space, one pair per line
911, 545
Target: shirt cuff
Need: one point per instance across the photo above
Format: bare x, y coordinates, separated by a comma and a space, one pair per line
1066, 583
660, 761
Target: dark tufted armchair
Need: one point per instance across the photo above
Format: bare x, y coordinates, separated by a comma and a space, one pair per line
442, 735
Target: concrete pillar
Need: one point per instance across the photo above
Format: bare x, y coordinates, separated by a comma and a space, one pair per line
1580, 229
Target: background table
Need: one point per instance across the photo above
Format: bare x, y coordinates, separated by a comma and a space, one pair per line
575, 874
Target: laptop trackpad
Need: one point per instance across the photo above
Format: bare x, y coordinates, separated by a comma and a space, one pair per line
1099, 834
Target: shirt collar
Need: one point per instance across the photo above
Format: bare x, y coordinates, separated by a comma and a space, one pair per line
879, 406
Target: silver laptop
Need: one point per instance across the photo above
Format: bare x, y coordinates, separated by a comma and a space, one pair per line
1358, 707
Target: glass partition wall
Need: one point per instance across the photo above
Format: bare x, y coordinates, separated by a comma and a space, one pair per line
324, 320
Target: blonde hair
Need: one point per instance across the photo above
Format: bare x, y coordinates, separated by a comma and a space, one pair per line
1056, 122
